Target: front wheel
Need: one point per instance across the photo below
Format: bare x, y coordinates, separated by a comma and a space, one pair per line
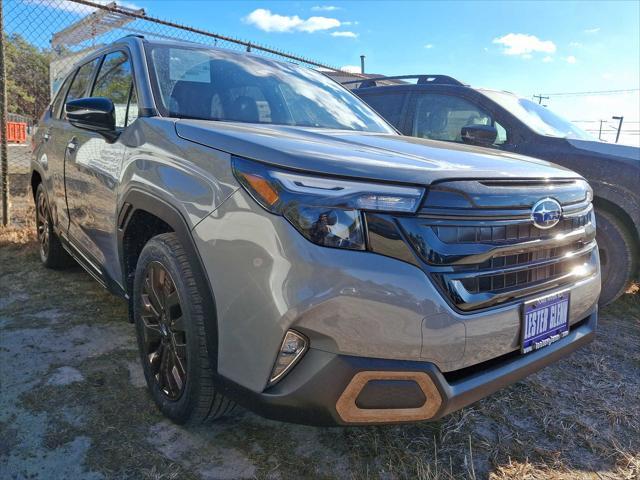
618, 255
169, 323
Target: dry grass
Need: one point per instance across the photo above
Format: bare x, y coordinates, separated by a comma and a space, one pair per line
578, 419
19, 234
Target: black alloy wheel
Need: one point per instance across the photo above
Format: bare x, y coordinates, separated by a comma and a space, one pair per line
164, 336
52, 254
169, 317
42, 224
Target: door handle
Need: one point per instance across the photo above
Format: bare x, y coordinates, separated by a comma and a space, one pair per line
72, 145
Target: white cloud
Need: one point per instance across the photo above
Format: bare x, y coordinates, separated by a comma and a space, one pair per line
592, 30
575, 44
571, 59
324, 8
428, 45
527, 56
313, 24
607, 76
547, 59
350, 68
523, 44
272, 22
355, 22
346, 34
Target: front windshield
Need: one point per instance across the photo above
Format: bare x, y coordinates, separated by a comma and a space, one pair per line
537, 117
213, 84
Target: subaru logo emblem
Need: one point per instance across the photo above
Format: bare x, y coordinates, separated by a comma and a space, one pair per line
546, 213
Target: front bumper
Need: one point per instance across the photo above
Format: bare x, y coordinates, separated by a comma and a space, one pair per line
267, 278
314, 392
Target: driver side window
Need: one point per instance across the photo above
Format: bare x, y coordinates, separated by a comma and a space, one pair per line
441, 117
115, 82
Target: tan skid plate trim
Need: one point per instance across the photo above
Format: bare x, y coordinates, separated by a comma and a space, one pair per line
350, 412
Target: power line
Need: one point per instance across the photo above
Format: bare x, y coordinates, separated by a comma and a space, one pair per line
596, 121
595, 92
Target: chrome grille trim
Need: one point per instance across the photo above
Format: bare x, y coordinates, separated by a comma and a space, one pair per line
476, 268
467, 301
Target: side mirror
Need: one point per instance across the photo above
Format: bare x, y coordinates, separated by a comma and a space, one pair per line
483, 135
92, 113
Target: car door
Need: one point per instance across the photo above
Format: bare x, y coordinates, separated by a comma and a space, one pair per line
93, 167
441, 115
55, 137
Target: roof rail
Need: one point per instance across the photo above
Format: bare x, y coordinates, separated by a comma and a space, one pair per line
422, 79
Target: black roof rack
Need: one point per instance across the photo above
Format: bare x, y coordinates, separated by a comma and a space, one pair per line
422, 79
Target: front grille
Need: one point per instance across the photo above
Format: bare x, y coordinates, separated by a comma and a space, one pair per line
506, 233
486, 256
527, 276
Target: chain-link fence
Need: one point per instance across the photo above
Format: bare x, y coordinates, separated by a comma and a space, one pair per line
43, 39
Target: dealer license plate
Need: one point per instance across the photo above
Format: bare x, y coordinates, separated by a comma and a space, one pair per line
545, 320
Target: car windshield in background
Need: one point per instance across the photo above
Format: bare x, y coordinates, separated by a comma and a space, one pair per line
539, 118
220, 85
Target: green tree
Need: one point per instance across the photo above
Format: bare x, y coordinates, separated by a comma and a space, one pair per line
27, 77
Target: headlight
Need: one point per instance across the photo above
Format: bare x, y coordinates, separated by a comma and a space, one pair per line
325, 210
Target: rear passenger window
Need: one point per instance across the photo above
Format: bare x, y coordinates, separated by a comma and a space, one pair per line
115, 82
388, 106
81, 81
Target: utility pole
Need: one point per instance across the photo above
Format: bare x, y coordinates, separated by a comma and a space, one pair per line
619, 126
540, 98
600, 132
4, 158
362, 64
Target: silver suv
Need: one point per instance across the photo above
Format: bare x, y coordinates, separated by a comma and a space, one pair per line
281, 246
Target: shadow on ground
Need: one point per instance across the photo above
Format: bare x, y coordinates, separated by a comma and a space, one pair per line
74, 405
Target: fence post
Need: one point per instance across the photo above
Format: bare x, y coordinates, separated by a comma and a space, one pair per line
4, 158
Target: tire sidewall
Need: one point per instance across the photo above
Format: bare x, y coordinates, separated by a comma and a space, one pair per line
618, 260
44, 256
180, 409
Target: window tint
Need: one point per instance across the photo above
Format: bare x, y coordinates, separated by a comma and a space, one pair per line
441, 117
81, 81
389, 106
114, 82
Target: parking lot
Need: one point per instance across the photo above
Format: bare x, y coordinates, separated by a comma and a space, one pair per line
74, 404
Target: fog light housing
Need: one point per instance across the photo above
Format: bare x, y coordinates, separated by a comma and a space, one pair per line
293, 347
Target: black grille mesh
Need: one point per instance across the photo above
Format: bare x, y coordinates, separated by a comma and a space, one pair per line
506, 233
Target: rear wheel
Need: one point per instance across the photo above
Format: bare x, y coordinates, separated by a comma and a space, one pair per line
170, 329
52, 254
617, 255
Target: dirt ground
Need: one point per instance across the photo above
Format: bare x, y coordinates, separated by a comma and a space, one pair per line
73, 404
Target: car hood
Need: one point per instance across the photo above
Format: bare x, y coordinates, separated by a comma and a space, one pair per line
387, 157
610, 150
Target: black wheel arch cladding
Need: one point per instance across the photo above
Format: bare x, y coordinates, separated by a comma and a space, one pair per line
137, 200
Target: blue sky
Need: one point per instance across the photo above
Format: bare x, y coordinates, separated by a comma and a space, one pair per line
525, 47
591, 45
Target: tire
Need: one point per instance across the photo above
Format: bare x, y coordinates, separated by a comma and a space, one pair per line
52, 254
617, 259
169, 321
